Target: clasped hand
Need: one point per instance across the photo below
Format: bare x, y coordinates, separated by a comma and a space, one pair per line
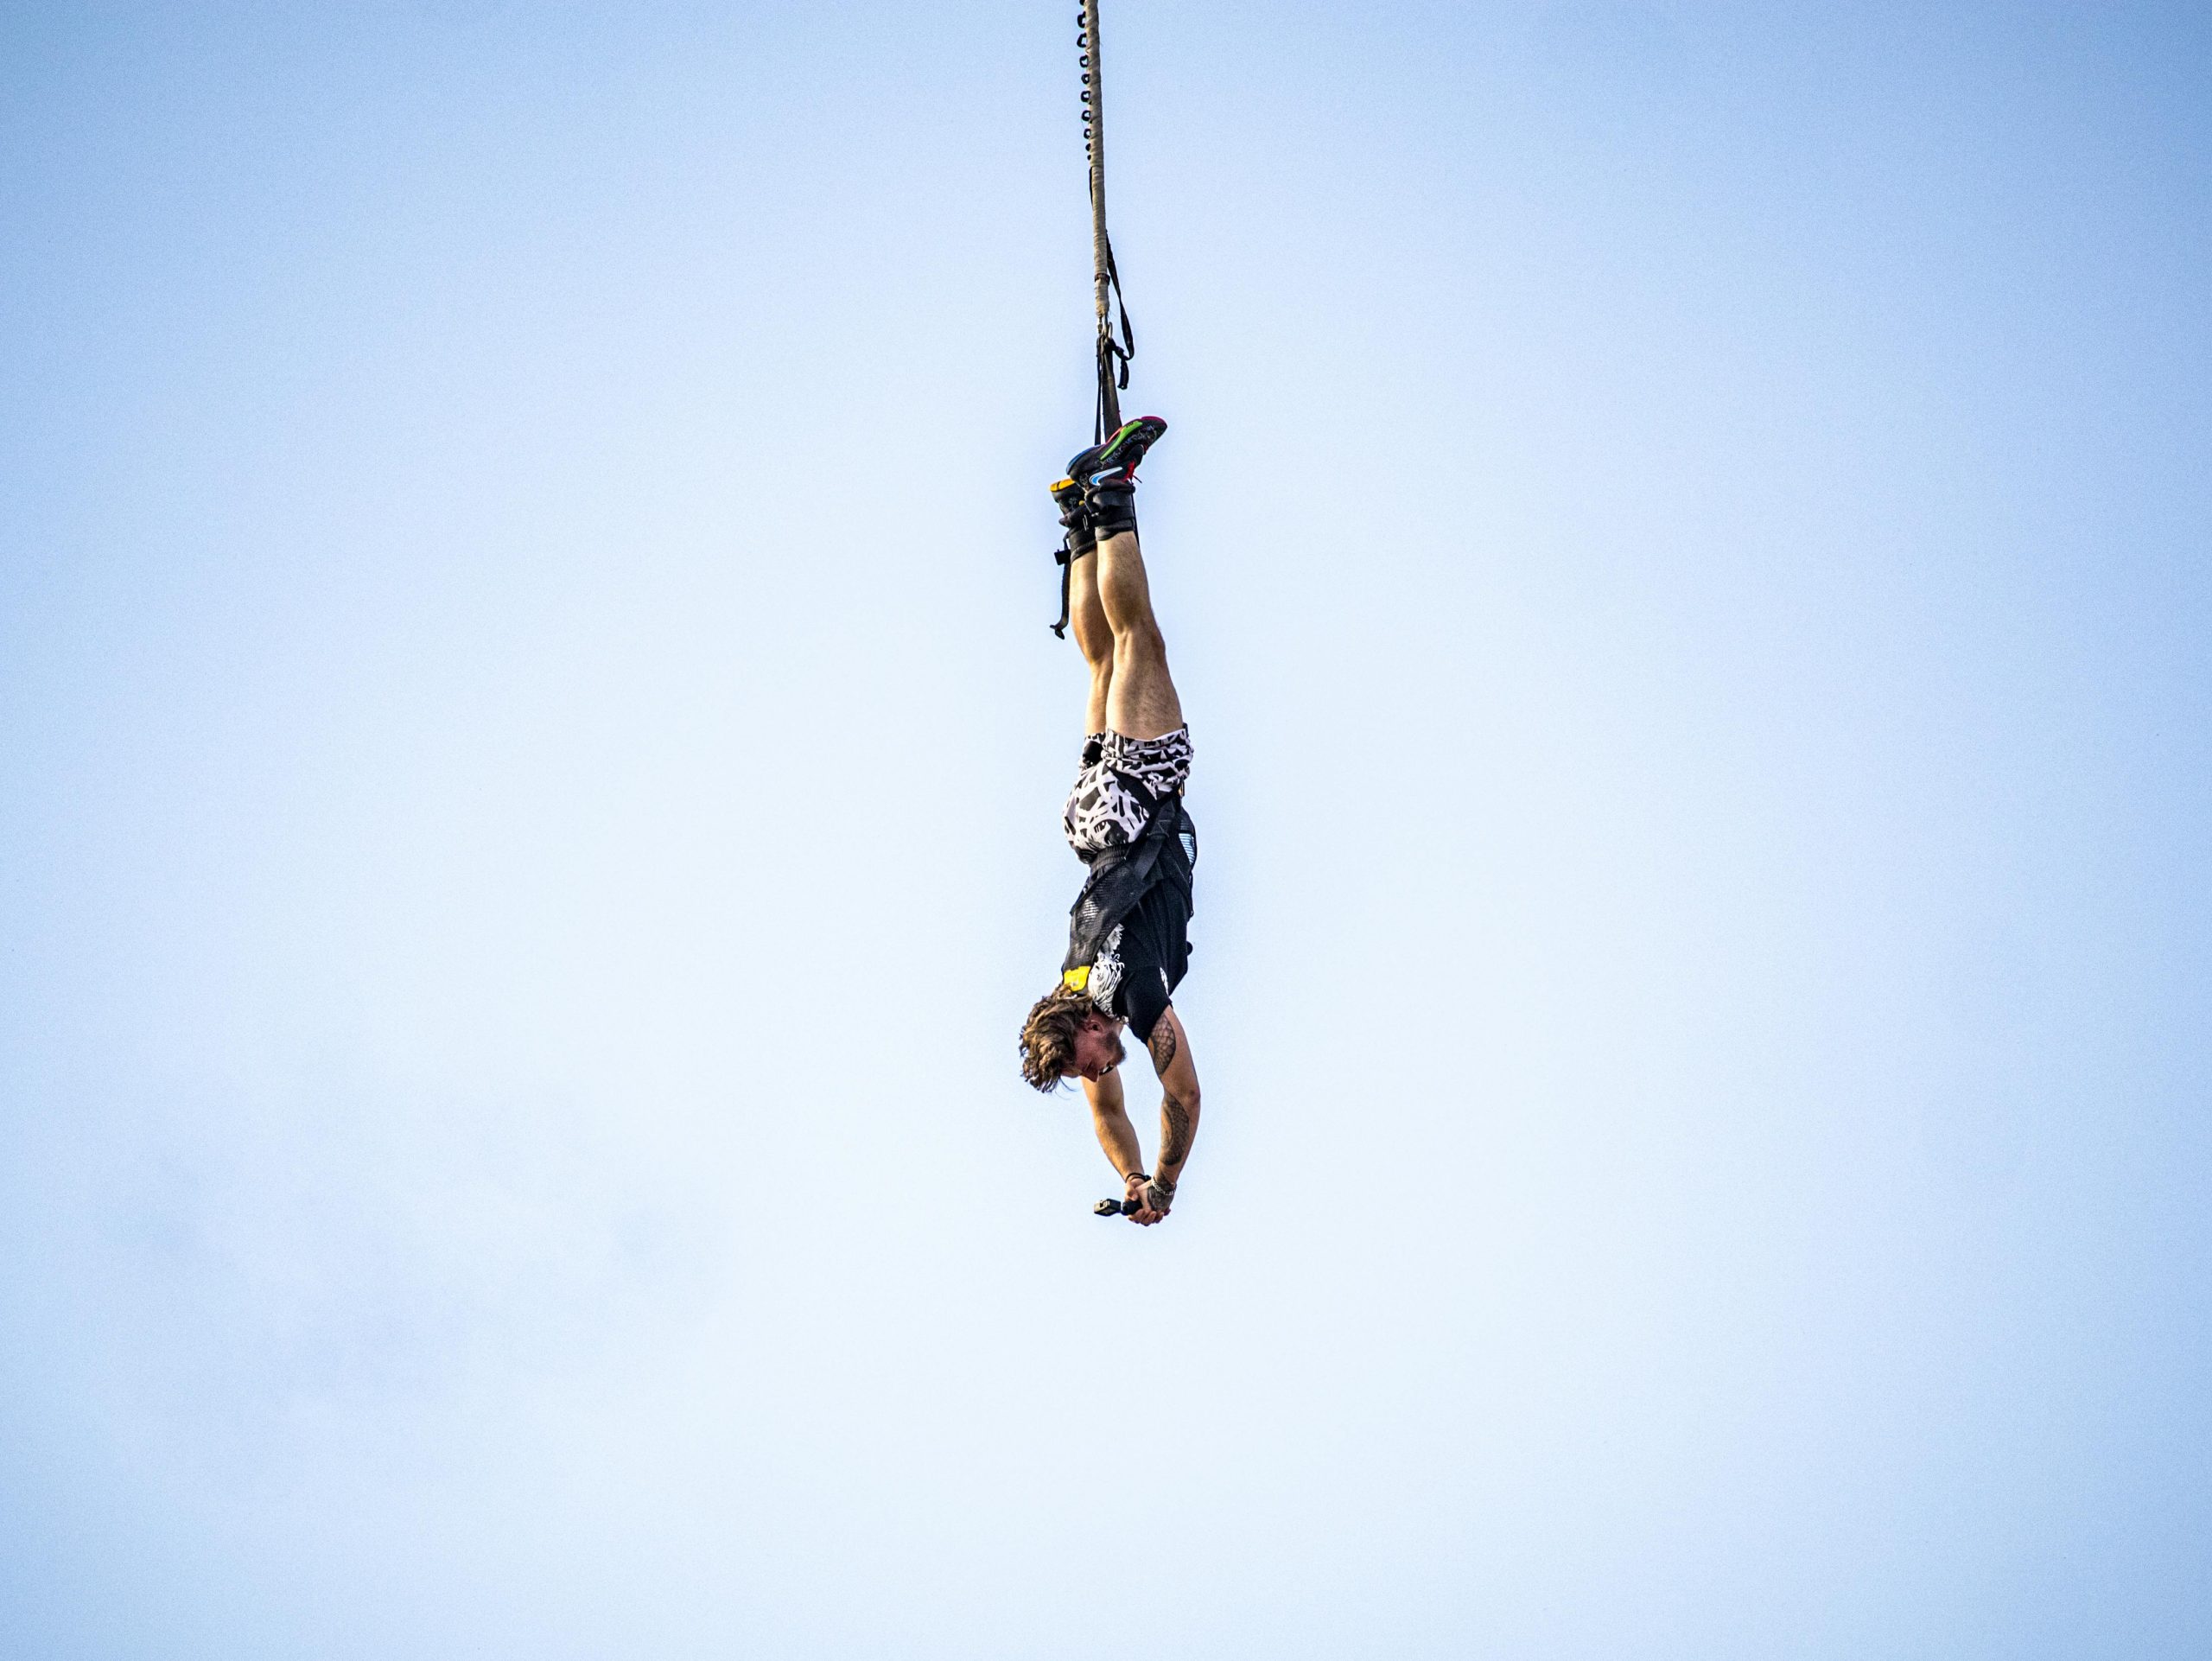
1145, 1199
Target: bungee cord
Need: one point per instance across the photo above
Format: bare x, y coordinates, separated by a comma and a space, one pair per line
1113, 354
1115, 348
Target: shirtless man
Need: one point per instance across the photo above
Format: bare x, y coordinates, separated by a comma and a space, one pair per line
1127, 944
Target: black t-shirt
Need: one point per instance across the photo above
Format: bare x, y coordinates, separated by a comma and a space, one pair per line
1152, 951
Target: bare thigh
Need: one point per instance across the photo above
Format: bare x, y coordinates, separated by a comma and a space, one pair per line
1141, 696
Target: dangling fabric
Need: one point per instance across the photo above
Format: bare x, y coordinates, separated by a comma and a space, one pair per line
1121, 877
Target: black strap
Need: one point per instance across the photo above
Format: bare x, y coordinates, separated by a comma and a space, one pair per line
1119, 878
1113, 358
1113, 375
1066, 557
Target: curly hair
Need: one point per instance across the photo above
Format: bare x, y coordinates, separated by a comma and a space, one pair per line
1048, 1036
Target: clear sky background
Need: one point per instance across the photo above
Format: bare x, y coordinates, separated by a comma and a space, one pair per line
533, 757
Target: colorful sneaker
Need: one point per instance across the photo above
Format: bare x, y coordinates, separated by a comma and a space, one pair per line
1080, 466
1116, 461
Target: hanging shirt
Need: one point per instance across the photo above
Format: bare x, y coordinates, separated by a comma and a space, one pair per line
1129, 944
1144, 959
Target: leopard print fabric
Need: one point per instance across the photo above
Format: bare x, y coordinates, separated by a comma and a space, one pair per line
1120, 780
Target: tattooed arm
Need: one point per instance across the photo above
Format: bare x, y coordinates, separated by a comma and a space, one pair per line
1178, 1114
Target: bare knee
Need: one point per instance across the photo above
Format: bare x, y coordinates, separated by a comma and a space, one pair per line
1140, 639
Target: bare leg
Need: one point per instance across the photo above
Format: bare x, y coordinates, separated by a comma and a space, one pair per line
1140, 701
1087, 614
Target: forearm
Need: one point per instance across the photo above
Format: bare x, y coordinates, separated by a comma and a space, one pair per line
1170, 1046
1110, 1119
1178, 1124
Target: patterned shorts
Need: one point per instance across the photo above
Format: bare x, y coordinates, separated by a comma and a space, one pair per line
1120, 781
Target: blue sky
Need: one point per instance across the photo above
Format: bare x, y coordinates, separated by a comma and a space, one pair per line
533, 760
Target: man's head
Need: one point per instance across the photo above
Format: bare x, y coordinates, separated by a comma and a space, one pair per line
1065, 1037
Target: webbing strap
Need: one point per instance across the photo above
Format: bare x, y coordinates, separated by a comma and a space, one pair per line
1113, 356
1065, 558
1119, 877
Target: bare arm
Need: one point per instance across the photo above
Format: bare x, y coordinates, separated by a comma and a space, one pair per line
1179, 1084
1109, 1117
1170, 1046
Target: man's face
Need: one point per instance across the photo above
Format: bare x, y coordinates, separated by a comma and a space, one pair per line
1098, 1047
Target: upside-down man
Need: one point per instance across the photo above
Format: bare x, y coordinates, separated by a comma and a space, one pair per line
1127, 944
